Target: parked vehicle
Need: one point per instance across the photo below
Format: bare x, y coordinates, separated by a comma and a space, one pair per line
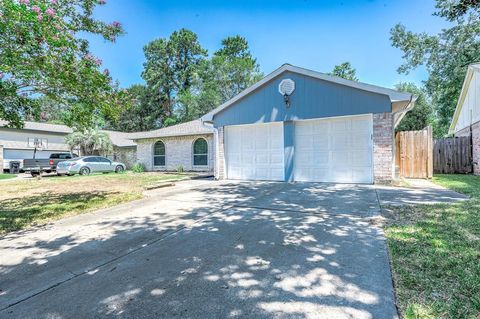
89, 164
38, 165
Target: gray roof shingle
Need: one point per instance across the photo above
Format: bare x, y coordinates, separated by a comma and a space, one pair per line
195, 127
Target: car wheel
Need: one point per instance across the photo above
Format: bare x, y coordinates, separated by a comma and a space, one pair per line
84, 171
34, 174
58, 174
119, 169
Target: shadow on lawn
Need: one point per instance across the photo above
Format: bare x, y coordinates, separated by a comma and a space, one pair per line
19, 212
228, 258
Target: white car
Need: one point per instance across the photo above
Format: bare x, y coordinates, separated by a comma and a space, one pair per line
89, 164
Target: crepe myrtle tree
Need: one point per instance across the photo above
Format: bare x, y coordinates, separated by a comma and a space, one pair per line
43, 53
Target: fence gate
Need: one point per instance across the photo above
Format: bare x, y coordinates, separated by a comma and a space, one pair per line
414, 153
453, 155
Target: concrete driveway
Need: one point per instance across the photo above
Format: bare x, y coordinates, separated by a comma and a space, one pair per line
207, 249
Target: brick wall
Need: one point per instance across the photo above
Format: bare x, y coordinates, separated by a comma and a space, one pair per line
383, 147
220, 156
475, 144
125, 155
178, 152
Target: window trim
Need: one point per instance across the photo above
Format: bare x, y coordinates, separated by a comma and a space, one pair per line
164, 155
193, 152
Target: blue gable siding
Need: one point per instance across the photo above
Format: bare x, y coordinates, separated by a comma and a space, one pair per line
313, 98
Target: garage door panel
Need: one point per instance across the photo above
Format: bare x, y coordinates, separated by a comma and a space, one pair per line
361, 141
339, 140
334, 150
261, 149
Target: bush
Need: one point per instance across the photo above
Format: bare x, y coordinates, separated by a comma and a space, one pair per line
180, 169
139, 168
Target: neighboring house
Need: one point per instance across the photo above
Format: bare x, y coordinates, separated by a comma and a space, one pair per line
327, 130
466, 119
188, 146
19, 144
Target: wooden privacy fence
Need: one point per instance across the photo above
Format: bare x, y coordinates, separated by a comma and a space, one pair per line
453, 155
414, 153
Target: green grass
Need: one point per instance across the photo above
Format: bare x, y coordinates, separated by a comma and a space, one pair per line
435, 254
7, 176
28, 202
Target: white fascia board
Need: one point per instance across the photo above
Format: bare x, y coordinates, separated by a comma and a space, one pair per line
463, 93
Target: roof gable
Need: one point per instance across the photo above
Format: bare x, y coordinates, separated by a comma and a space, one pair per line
393, 95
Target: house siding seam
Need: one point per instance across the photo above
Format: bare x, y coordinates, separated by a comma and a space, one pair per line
475, 144
383, 152
178, 152
220, 160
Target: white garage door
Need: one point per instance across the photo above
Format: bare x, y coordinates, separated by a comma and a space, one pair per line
335, 150
254, 152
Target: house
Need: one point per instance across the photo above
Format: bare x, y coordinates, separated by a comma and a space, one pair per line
187, 146
301, 125
19, 144
293, 125
466, 119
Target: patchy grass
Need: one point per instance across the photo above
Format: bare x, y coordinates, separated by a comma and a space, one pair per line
33, 201
7, 176
435, 254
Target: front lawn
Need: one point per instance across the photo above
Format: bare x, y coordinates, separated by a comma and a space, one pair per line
435, 254
34, 201
7, 176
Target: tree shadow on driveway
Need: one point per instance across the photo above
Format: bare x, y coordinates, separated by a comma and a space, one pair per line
212, 252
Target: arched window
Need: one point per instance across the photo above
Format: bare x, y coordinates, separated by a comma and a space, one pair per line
159, 154
200, 152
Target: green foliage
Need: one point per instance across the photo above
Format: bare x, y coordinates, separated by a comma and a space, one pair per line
90, 141
42, 53
170, 66
180, 169
139, 168
421, 115
456, 8
445, 55
345, 71
145, 113
183, 83
228, 72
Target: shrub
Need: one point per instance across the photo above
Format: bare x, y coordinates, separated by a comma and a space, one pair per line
139, 168
180, 169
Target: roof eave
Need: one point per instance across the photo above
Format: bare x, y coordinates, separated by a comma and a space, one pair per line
461, 98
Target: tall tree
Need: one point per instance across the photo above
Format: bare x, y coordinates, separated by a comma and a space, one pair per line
421, 115
345, 70
230, 70
145, 113
445, 55
43, 52
170, 66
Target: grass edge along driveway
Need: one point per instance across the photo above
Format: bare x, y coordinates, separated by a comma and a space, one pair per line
30, 202
435, 254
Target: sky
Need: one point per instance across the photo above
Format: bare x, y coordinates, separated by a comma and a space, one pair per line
311, 34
